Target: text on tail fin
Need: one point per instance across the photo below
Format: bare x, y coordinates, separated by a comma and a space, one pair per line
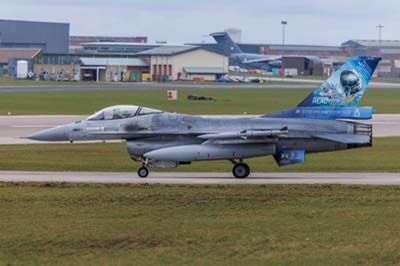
346, 86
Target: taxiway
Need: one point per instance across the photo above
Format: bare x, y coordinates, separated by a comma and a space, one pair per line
203, 178
286, 84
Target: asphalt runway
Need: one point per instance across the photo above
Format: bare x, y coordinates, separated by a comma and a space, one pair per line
13, 128
153, 86
156, 86
203, 178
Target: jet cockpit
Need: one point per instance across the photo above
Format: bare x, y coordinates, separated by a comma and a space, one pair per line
121, 112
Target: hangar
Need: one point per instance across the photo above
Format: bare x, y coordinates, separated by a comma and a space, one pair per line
48, 36
305, 65
185, 62
388, 50
113, 69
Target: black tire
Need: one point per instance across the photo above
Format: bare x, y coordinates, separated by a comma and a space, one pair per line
241, 170
143, 172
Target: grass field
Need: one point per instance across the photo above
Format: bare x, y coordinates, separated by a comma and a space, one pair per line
238, 101
382, 157
71, 224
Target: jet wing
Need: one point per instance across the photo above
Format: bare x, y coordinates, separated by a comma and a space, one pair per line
260, 60
246, 136
344, 138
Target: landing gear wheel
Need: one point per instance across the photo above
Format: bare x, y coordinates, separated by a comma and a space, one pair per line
241, 170
143, 172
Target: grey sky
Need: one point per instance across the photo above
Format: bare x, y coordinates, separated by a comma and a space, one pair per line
178, 21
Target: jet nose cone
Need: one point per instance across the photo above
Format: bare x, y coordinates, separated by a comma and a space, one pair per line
52, 134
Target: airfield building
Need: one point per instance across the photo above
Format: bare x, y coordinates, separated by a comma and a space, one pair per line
49, 37
78, 40
388, 50
185, 62
10, 56
302, 57
116, 47
49, 49
114, 69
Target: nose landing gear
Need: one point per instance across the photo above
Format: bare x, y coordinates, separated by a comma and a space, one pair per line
143, 171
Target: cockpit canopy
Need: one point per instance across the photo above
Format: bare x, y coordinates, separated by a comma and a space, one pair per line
121, 112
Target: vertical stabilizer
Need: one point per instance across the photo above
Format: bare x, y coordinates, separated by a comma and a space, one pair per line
346, 86
338, 97
227, 44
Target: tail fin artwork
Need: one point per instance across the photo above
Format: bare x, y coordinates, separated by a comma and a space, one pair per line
339, 95
346, 86
227, 44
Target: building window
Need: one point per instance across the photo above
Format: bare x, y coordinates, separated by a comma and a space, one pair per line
170, 70
155, 69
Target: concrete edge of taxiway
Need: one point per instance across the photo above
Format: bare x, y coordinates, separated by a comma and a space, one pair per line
202, 178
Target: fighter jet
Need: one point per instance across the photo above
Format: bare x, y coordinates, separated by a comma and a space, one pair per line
159, 139
245, 60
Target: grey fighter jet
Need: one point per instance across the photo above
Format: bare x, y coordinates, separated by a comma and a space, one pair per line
159, 139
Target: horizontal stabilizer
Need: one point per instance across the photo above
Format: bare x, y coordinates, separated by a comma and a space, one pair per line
345, 138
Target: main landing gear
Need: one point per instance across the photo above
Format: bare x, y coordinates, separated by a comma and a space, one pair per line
240, 170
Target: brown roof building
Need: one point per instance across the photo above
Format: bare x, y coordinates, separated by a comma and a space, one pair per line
20, 53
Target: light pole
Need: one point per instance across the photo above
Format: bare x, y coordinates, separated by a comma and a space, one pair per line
380, 27
284, 23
